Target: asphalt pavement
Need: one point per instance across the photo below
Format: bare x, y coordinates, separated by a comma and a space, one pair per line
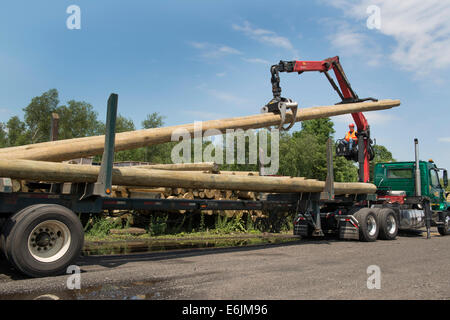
411, 267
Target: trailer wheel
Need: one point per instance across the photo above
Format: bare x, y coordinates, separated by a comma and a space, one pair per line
42, 240
388, 224
445, 229
368, 226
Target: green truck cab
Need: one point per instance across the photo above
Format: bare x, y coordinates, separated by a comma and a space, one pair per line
400, 176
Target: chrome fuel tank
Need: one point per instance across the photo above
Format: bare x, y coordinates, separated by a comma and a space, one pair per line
412, 219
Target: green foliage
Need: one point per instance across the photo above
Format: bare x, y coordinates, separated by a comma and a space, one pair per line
37, 115
153, 120
322, 129
202, 226
249, 224
158, 225
78, 119
252, 140
345, 170
160, 153
17, 134
100, 226
228, 225
3, 135
124, 124
303, 154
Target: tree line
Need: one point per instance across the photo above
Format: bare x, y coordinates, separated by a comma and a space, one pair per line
301, 153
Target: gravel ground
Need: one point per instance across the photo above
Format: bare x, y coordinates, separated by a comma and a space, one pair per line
412, 267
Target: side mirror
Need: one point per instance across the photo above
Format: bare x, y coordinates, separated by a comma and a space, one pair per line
445, 179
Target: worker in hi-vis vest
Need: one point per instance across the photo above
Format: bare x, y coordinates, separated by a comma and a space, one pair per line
350, 137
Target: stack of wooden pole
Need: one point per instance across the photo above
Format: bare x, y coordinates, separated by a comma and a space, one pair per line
22, 162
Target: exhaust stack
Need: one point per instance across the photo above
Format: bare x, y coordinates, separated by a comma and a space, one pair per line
417, 172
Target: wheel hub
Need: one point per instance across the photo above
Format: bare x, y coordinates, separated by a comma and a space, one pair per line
371, 225
391, 224
49, 241
43, 239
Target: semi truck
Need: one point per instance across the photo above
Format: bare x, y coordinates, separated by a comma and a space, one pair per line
41, 233
409, 196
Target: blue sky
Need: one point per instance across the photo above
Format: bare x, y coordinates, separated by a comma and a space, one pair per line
201, 60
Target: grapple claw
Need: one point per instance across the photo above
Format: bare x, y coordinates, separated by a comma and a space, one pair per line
280, 106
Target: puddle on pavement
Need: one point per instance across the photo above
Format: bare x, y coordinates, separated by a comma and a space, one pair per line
127, 247
137, 290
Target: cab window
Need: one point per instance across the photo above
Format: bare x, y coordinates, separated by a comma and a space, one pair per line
400, 173
434, 179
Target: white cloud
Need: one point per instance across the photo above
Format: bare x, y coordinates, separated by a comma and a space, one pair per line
444, 139
421, 30
221, 74
264, 36
256, 60
350, 41
210, 50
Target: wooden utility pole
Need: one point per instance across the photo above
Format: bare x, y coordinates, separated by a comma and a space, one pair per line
54, 129
129, 176
196, 166
89, 146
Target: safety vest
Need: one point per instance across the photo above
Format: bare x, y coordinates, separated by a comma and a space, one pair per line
351, 135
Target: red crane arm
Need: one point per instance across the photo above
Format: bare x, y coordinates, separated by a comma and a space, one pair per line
344, 90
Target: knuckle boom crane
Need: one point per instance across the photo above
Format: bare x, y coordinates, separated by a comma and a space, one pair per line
364, 152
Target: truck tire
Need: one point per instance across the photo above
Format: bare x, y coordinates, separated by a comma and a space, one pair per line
42, 240
388, 224
368, 225
445, 229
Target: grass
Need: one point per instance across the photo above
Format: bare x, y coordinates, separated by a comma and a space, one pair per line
162, 226
181, 235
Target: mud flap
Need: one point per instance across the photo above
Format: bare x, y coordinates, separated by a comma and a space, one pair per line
302, 228
348, 229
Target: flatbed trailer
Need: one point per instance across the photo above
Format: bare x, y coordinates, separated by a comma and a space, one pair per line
41, 233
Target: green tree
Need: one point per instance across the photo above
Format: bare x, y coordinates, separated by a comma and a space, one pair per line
153, 120
3, 135
38, 113
78, 119
17, 133
160, 153
321, 128
304, 153
301, 155
345, 170
122, 125
246, 166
